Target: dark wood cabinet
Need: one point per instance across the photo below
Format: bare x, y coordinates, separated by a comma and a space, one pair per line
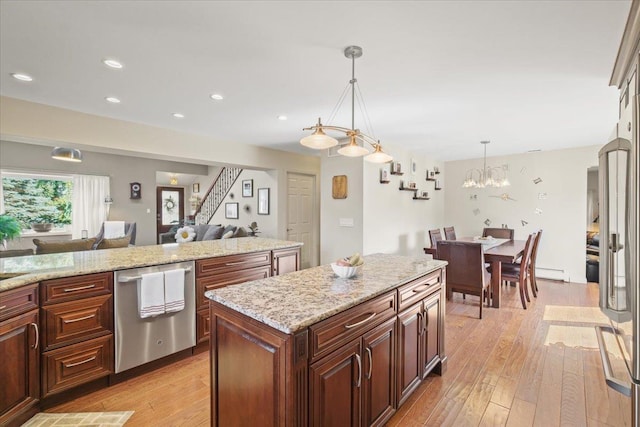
420, 338
355, 385
335, 386
77, 335
379, 374
285, 261
19, 350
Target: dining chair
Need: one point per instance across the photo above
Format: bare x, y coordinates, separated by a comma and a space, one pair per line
449, 233
498, 233
434, 236
518, 272
532, 264
466, 272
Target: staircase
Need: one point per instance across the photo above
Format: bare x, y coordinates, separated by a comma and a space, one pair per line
216, 194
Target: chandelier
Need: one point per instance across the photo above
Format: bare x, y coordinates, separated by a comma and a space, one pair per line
487, 176
358, 141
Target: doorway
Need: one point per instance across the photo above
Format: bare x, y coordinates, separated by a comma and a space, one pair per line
169, 208
301, 216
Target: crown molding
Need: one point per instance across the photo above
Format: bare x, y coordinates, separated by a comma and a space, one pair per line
628, 50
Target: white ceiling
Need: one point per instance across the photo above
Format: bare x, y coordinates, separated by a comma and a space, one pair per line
437, 77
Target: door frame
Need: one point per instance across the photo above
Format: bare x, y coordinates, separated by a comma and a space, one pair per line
165, 228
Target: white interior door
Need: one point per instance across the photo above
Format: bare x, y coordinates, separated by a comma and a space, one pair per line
300, 216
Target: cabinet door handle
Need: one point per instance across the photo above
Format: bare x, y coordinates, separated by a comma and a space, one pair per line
360, 322
3, 307
421, 322
35, 328
421, 288
80, 288
370, 362
71, 365
359, 360
79, 319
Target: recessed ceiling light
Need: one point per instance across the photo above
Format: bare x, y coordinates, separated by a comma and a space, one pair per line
178, 115
112, 63
282, 117
112, 99
217, 96
22, 77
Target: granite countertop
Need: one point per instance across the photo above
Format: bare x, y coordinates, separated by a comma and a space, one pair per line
294, 301
30, 269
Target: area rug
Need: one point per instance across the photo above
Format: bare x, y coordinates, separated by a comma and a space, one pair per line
84, 419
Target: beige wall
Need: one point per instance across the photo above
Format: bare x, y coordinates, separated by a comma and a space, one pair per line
561, 198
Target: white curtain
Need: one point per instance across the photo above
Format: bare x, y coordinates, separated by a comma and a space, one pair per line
88, 208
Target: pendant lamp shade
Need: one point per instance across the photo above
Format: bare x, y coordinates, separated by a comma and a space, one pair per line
67, 154
378, 156
353, 149
319, 140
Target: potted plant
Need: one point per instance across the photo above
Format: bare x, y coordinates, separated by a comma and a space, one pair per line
9, 229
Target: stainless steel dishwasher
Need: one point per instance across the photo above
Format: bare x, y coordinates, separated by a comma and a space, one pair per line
138, 340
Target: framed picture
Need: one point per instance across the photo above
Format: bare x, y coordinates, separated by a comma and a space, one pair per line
263, 201
231, 210
195, 188
247, 188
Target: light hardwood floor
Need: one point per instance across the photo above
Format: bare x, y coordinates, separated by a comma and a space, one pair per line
514, 367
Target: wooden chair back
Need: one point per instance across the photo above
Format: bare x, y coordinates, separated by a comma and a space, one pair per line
498, 233
435, 236
466, 272
534, 250
449, 233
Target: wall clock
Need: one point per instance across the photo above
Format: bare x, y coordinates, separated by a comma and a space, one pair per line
135, 190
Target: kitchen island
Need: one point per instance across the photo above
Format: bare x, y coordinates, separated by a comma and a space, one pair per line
309, 348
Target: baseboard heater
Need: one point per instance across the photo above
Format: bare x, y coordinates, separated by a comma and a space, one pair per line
552, 274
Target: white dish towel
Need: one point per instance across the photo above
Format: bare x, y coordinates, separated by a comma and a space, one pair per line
151, 294
174, 290
113, 229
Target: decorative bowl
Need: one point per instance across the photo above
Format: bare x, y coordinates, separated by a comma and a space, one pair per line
40, 227
344, 272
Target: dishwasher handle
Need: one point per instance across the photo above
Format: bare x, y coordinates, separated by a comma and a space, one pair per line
125, 279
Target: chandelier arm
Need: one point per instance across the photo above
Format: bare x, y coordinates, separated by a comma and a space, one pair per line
366, 138
329, 127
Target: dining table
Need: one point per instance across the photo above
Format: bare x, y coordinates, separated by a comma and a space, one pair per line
497, 251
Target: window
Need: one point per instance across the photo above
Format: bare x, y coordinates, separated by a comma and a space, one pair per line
37, 198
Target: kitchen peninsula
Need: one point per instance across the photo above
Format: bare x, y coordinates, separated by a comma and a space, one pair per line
59, 319
312, 349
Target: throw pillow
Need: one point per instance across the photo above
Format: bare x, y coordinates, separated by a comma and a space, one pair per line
120, 242
227, 235
240, 232
58, 246
229, 228
214, 232
201, 230
185, 234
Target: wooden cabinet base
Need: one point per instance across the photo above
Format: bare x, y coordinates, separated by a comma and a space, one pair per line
76, 364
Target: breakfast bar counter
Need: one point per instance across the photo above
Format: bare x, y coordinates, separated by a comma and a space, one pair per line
20, 271
310, 348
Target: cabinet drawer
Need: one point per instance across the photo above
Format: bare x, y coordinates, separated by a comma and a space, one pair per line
70, 322
224, 279
71, 288
76, 364
333, 332
18, 301
418, 289
202, 325
206, 267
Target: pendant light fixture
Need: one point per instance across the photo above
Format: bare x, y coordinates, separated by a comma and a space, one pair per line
356, 147
487, 176
66, 154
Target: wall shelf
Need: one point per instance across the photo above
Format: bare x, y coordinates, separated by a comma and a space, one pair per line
408, 189
421, 198
384, 181
396, 173
431, 179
